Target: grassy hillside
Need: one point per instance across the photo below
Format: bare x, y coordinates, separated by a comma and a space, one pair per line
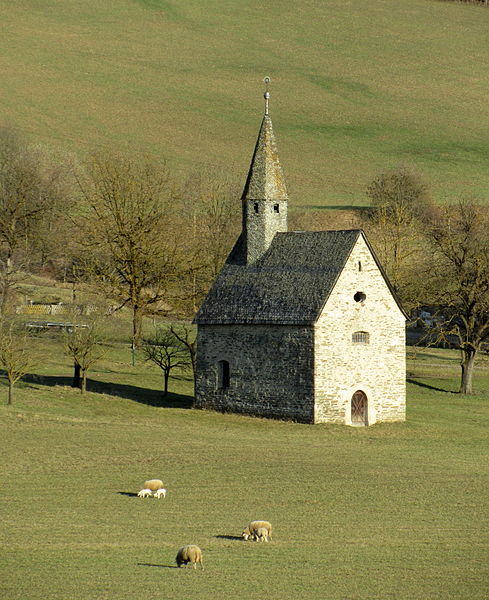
392, 511
357, 86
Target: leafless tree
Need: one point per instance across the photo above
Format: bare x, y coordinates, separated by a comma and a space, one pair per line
210, 218
84, 344
399, 201
167, 352
459, 279
15, 355
131, 250
186, 335
29, 187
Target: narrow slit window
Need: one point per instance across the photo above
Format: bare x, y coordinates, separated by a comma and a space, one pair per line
223, 374
359, 265
360, 337
256, 207
276, 208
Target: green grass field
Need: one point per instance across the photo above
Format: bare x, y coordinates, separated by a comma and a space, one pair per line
394, 511
357, 87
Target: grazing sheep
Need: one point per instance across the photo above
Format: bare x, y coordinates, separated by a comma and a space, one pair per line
189, 554
145, 493
153, 484
250, 529
261, 534
159, 493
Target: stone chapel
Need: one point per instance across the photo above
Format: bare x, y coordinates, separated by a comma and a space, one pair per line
298, 325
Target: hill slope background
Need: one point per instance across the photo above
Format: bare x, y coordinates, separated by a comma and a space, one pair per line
357, 87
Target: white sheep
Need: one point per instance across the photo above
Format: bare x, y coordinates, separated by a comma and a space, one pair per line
153, 484
189, 554
261, 534
250, 530
145, 493
159, 493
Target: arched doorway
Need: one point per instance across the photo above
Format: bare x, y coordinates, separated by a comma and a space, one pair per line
359, 408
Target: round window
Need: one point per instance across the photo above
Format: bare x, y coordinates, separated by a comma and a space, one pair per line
359, 297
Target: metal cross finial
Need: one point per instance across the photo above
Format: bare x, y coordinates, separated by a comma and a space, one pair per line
266, 95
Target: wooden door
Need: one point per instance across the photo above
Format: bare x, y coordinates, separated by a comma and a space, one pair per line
359, 408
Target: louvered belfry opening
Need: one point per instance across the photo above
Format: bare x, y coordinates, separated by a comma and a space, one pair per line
359, 408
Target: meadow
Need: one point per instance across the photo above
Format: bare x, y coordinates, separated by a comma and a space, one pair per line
357, 87
391, 511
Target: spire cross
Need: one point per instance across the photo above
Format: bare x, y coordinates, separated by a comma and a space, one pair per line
266, 95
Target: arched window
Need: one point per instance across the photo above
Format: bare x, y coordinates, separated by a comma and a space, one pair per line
360, 337
223, 374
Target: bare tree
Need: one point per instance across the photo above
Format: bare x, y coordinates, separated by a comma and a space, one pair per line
186, 335
28, 188
210, 214
131, 250
15, 355
459, 279
167, 352
85, 346
399, 200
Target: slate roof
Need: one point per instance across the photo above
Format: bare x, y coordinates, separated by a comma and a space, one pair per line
265, 177
288, 285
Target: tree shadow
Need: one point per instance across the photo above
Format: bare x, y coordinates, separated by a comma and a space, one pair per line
130, 494
159, 566
121, 390
429, 387
229, 537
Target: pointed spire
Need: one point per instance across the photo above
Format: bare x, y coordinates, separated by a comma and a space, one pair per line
265, 179
266, 95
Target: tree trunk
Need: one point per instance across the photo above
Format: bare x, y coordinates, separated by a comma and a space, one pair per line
192, 348
137, 322
83, 382
76, 376
10, 393
467, 364
167, 376
6, 291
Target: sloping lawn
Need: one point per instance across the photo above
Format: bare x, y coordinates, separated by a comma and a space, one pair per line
391, 511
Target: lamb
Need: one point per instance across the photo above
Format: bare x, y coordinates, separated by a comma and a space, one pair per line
153, 484
159, 493
145, 493
261, 534
251, 528
189, 554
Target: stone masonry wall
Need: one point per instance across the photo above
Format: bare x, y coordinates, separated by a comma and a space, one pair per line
261, 222
343, 367
271, 370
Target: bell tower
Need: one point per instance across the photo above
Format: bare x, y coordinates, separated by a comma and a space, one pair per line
265, 195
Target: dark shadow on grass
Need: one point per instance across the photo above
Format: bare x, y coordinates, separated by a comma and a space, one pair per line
122, 390
130, 494
229, 537
429, 387
160, 566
